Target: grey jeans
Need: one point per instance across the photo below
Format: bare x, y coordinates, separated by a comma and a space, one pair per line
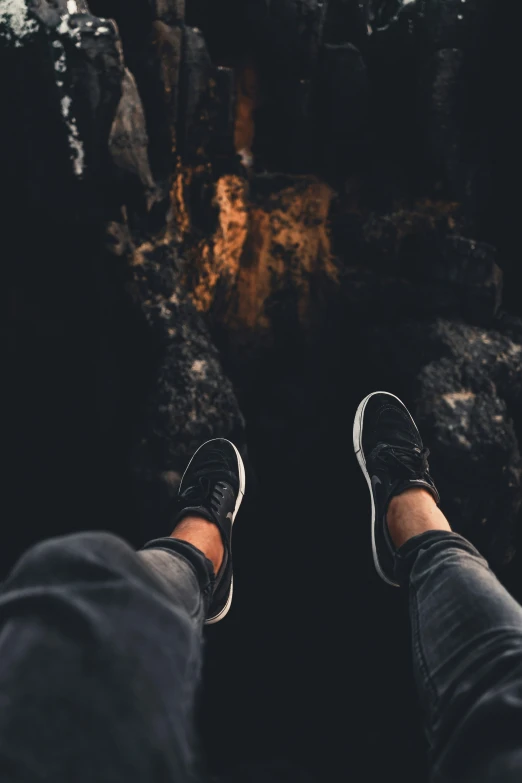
100, 656
467, 653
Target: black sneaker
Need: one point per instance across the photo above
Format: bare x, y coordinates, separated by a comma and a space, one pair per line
391, 454
212, 487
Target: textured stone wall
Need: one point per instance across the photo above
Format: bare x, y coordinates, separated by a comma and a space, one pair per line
235, 218
244, 165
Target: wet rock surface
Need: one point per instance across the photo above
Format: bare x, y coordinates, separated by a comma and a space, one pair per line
236, 219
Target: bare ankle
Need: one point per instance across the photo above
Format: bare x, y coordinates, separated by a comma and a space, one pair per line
411, 513
204, 535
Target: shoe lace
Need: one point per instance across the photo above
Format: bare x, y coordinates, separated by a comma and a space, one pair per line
197, 491
202, 487
410, 461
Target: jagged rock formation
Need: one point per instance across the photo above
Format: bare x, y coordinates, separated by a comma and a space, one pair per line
283, 203
83, 163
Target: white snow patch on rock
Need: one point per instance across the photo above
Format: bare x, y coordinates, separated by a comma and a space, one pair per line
65, 28
60, 65
73, 136
18, 24
66, 106
76, 147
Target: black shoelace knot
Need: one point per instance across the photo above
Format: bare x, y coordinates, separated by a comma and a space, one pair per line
411, 461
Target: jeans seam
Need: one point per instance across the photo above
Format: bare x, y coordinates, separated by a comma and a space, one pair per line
417, 645
201, 608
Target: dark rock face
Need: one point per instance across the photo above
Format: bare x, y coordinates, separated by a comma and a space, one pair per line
67, 71
231, 216
79, 141
128, 141
191, 399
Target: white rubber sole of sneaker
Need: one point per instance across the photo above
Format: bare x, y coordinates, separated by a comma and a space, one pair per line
357, 445
240, 496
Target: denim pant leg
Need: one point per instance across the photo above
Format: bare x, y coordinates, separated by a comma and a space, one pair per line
100, 655
467, 654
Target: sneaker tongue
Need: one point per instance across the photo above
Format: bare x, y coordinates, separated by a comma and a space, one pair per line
403, 437
396, 429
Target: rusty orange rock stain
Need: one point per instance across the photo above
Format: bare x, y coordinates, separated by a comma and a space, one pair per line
179, 224
256, 248
288, 241
222, 255
261, 248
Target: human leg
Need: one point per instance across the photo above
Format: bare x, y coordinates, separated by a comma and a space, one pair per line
466, 628
100, 647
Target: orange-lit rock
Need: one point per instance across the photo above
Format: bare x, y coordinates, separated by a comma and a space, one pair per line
260, 244
287, 243
220, 258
